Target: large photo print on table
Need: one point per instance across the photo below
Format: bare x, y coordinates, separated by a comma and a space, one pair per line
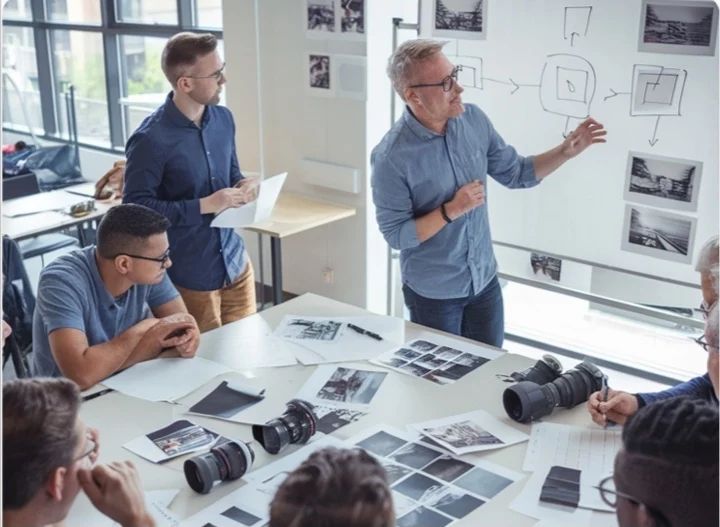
658, 233
661, 181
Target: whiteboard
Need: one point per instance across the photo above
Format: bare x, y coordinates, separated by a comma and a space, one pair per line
532, 50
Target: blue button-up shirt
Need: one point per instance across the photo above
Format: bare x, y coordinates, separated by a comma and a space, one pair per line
414, 171
171, 164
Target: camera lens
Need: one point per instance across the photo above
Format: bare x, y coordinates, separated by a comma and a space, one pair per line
225, 462
297, 425
527, 400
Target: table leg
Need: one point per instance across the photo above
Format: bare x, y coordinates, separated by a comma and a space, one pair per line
262, 270
276, 256
81, 234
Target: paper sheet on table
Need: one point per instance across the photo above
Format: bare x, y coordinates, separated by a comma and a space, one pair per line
84, 514
341, 387
165, 379
528, 503
591, 449
470, 432
256, 211
246, 344
330, 339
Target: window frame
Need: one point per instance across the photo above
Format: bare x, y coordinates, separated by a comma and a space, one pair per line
111, 29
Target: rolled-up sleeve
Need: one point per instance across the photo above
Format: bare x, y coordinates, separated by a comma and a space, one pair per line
393, 205
143, 177
505, 165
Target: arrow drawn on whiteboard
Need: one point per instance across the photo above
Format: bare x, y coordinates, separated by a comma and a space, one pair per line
615, 94
654, 139
516, 86
572, 38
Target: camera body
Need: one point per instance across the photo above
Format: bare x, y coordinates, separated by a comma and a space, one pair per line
297, 425
225, 462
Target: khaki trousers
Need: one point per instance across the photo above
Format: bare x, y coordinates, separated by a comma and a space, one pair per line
213, 309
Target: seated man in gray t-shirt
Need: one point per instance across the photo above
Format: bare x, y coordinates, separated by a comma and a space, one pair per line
102, 309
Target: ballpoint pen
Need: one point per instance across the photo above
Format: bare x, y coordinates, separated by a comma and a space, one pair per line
362, 331
604, 389
97, 394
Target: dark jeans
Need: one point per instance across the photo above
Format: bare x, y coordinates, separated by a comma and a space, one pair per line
478, 317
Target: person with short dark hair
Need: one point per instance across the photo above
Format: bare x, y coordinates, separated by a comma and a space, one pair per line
103, 308
182, 162
49, 456
666, 474
334, 488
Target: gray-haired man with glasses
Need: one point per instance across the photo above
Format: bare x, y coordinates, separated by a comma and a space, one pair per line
429, 175
666, 473
104, 308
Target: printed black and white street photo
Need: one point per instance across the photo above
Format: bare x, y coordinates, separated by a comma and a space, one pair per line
447, 468
546, 266
455, 503
394, 362
352, 19
381, 443
482, 482
415, 455
319, 70
460, 19
351, 386
424, 517
444, 352
658, 233
330, 419
407, 354
181, 436
394, 471
423, 345
674, 26
462, 434
321, 15
430, 361
663, 181
415, 369
420, 487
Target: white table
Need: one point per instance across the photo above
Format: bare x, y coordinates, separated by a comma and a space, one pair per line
402, 400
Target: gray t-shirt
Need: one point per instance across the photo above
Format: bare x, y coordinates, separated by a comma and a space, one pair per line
71, 294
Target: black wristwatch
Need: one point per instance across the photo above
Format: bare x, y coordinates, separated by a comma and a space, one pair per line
444, 214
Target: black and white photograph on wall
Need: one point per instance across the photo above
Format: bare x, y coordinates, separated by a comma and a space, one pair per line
658, 233
352, 18
676, 26
320, 16
319, 72
464, 19
544, 266
661, 181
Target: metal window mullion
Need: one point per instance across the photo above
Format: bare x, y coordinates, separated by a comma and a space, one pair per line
186, 14
112, 87
46, 83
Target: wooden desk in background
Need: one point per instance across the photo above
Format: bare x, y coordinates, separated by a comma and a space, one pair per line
293, 214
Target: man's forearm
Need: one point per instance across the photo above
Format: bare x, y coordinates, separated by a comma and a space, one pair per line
547, 162
429, 225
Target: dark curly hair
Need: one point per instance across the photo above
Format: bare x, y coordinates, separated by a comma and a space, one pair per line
334, 488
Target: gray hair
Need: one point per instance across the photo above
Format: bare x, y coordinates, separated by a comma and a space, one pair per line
406, 57
708, 260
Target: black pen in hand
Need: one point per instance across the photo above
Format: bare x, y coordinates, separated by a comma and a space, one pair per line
362, 331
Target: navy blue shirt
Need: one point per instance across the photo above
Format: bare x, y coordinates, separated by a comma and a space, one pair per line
171, 164
414, 171
696, 388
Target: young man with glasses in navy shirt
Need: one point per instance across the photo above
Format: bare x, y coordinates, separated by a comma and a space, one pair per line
428, 182
104, 308
181, 162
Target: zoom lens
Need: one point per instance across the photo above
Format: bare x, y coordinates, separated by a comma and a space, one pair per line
224, 462
527, 401
297, 425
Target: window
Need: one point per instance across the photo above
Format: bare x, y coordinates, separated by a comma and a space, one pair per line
107, 50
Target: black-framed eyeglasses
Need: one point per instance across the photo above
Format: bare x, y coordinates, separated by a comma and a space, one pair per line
702, 342
447, 83
705, 309
217, 75
610, 495
162, 260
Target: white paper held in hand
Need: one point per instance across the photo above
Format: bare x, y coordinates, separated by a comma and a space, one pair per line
256, 211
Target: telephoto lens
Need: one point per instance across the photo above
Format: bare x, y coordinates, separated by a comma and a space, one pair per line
297, 425
545, 370
527, 401
225, 462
